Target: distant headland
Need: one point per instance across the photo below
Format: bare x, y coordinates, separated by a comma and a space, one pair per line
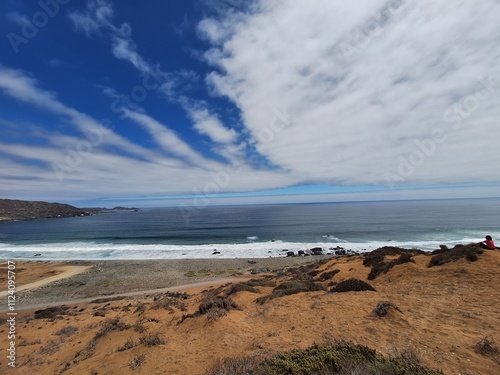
13, 210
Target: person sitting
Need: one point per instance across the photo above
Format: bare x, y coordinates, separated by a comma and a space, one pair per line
488, 243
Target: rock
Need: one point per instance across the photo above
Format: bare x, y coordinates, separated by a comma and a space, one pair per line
38, 255
317, 251
290, 254
216, 252
301, 253
251, 262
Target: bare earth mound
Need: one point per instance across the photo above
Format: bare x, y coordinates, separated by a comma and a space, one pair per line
445, 318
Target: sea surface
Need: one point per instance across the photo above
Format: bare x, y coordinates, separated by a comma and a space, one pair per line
252, 231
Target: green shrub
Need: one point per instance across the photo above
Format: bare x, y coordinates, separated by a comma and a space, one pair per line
342, 358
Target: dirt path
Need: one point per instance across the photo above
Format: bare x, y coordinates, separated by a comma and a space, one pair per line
68, 271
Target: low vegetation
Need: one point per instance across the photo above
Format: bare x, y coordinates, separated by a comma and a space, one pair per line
377, 259
206, 273
328, 275
214, 304
264, 282
444, 255
51, 312
288, 288
382, 308
352, 285
342, 358
67, 331
107, 327
152, 339
137, 361
485, 347
240, 287
129, 344
168, 301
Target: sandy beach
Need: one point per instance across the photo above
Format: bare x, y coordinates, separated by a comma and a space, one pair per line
440, 313
75, 280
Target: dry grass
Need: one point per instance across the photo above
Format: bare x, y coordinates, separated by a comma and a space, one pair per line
486, 346
137, 361
129, 344
67, 331
152, 339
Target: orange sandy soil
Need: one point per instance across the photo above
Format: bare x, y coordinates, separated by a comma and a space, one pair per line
444, 312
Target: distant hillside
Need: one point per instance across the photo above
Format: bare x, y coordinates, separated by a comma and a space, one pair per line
28, 210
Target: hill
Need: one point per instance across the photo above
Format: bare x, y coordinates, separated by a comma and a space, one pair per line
418, 310
11, 210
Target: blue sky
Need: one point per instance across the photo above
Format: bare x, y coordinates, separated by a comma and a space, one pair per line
194, 103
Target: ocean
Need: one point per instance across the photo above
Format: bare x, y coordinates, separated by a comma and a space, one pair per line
252, 231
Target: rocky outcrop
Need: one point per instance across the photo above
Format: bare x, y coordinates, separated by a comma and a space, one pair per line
11, 210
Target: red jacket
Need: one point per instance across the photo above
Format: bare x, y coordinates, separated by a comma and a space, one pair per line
490, 244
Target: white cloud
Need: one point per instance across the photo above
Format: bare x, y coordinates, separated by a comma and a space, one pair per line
125, 49
355, 115
18, 85
169, 140
209, 125
211, 30
96, 16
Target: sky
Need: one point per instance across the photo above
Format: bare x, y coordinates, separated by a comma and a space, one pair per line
193, 103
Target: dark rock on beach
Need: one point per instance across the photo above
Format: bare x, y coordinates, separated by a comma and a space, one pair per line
317, 251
